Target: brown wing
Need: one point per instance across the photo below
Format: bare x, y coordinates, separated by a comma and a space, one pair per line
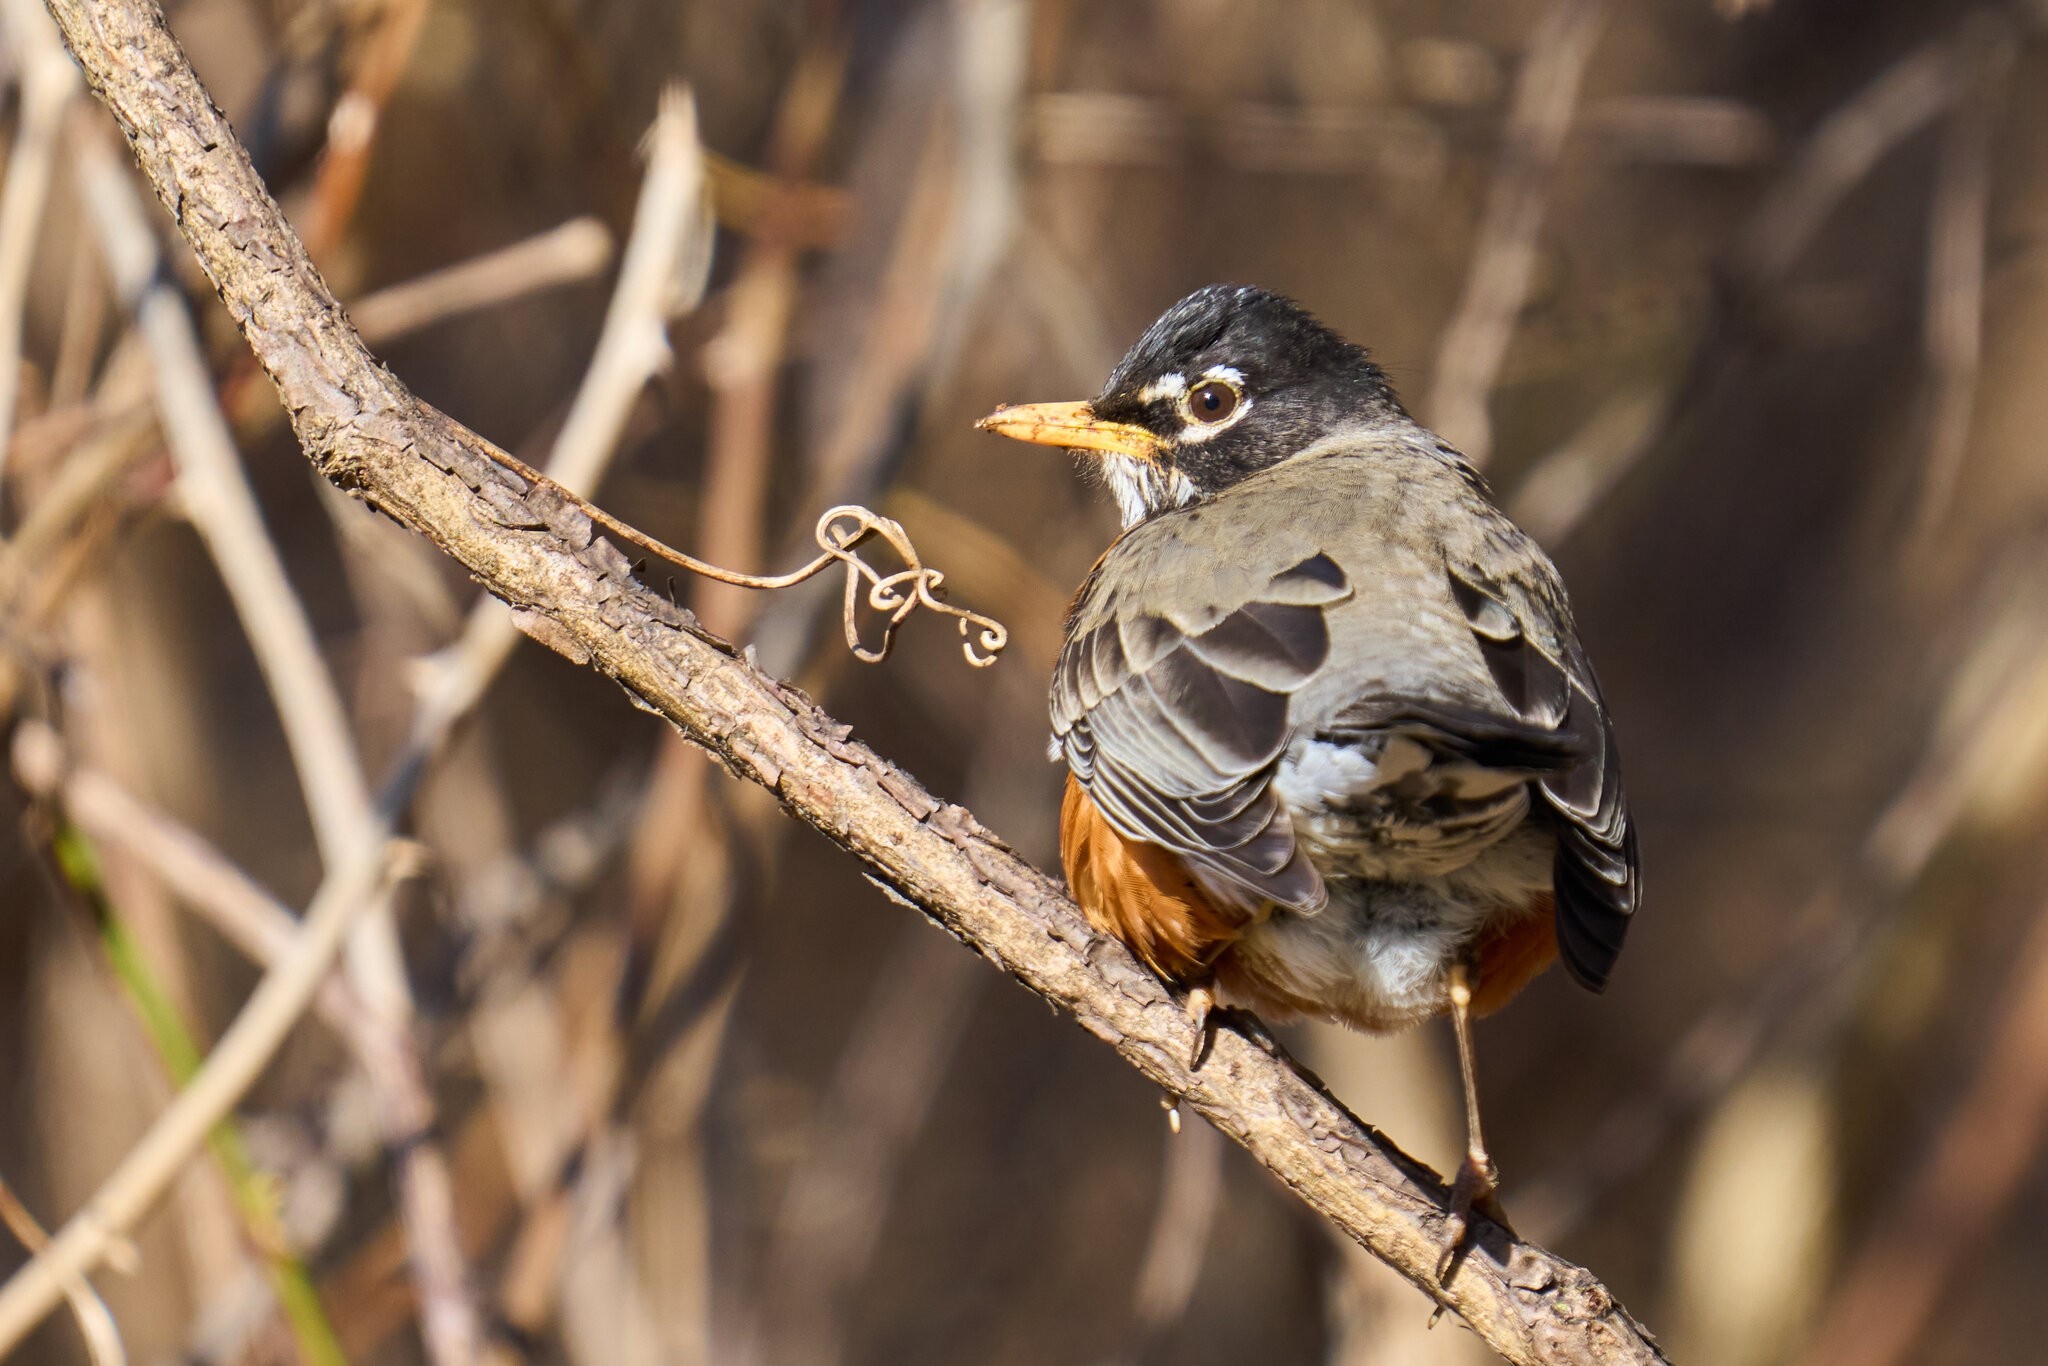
1173, 728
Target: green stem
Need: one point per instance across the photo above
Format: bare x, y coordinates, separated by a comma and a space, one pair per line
254, 1193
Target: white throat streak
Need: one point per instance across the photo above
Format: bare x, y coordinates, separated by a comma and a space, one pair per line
1142, 487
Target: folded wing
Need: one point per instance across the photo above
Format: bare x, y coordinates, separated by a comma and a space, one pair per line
1174, 729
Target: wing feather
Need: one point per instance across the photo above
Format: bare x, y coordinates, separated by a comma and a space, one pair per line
1525, 635
1175, 733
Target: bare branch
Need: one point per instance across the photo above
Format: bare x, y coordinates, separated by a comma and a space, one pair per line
1504, 258
95, 1322
1952, 338
566, 255
91, 1235
365, 431
48, 81
197, 873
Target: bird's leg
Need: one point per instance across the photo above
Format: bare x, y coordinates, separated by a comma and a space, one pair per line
1477, 1183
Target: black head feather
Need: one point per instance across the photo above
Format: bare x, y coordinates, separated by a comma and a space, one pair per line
1297, 383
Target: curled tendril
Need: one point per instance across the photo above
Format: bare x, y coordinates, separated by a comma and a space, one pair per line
896, 595
839, 533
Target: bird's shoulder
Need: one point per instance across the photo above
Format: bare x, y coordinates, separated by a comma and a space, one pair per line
1355, 499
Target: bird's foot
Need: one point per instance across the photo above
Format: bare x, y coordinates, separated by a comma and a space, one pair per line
1206, 1014
1254, 1029
1475, 1187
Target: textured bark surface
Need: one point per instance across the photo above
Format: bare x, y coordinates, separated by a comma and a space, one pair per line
577, 593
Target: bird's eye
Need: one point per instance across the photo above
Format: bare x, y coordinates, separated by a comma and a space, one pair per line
1212, 401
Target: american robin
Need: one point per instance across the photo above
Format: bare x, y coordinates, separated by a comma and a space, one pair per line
1334, 748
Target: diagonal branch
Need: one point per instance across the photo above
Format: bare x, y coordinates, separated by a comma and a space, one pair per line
366, 432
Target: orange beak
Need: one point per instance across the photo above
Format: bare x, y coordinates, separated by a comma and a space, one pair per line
1074, 426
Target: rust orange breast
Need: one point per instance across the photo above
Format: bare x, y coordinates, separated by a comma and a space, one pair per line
1144, 896
1140, 893
1511, 952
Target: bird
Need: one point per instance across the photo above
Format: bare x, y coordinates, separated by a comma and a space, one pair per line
1334, 748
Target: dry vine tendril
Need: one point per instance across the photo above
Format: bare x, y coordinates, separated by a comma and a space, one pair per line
840, 530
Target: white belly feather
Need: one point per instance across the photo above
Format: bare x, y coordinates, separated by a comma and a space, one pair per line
1419, 858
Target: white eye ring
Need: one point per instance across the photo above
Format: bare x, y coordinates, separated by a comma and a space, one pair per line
1213, 403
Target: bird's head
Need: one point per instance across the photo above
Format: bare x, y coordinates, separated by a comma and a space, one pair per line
1230, 381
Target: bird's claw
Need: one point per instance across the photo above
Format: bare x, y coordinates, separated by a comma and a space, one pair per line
1475, 1187
1201, 1008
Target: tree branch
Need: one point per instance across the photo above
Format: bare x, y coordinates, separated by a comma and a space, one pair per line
365, 432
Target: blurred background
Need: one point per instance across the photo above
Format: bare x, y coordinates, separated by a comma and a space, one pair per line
1743, 304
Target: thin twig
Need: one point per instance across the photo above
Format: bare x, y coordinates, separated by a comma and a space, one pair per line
199, 875
48, 81
1115, 128
1099, 128
95, 1321
362, 428
661, 278
534, 1130
881, 1091
150, 992
1190, 1192
216, 497
1554, 498
609, 1318
570, 254
750, 201
233, 1066
93, 466
1834, 158
1504, 256
1952, 335
666, 266
78, 338
1839, 154
863, 411
355, 121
